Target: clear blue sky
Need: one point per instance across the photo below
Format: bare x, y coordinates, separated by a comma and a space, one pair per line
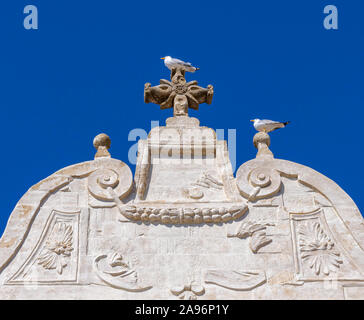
83, 72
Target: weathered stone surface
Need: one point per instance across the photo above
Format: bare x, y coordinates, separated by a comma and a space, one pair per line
178, 93
185, 228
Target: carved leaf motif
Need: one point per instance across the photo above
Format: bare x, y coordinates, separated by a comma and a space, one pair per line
57, 247
259, 240
317, 249
208, 181
255, 230
115, 271
247, 229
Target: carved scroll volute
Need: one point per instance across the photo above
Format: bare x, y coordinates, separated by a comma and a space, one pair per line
106, 184
258, 183
114, 179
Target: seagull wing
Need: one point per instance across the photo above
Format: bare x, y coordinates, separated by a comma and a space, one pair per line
275, 126
269, 122
180, 62
269, 125
187, 64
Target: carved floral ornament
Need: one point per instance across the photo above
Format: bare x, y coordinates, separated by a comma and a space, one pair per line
317, 249
57, 248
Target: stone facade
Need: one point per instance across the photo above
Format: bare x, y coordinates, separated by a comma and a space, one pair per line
183, 227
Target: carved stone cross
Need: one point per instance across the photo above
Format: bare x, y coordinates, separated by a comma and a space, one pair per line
178, 93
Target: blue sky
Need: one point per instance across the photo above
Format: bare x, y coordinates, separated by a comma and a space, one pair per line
83, 72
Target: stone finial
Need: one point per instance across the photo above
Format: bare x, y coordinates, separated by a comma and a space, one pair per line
102, 143
178, 93
261, 141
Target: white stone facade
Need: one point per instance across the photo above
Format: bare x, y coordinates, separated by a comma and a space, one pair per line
184, 227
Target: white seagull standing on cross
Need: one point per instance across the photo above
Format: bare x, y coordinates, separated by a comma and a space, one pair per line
170, 63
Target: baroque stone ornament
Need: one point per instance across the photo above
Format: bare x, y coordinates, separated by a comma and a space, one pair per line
178, 93
57, 248
257, 233
116, 272
172, 230
55, 257
188, 292
317, 249
235, 280
102, 144
208, 181
183, 215
106, 184
258, 183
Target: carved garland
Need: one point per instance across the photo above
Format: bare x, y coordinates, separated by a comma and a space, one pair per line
183, 215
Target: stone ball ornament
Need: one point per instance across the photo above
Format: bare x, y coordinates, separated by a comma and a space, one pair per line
102, 140
261, 138
257, 183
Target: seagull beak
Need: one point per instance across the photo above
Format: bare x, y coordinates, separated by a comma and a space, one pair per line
163, 58
252, 120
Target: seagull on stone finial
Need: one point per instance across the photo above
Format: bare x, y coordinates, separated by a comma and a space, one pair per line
170, 63
268, 125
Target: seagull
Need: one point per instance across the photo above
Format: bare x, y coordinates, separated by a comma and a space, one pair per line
268, 125
170, 63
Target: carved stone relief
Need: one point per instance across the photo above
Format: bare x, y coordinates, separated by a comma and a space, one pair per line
188, 292
57, 248
107, 184
257, 233
206, 181
178, 93
301, 227
118, 273
316, 252
258, 183
317, 249
236, 280
56, 253
183, 215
